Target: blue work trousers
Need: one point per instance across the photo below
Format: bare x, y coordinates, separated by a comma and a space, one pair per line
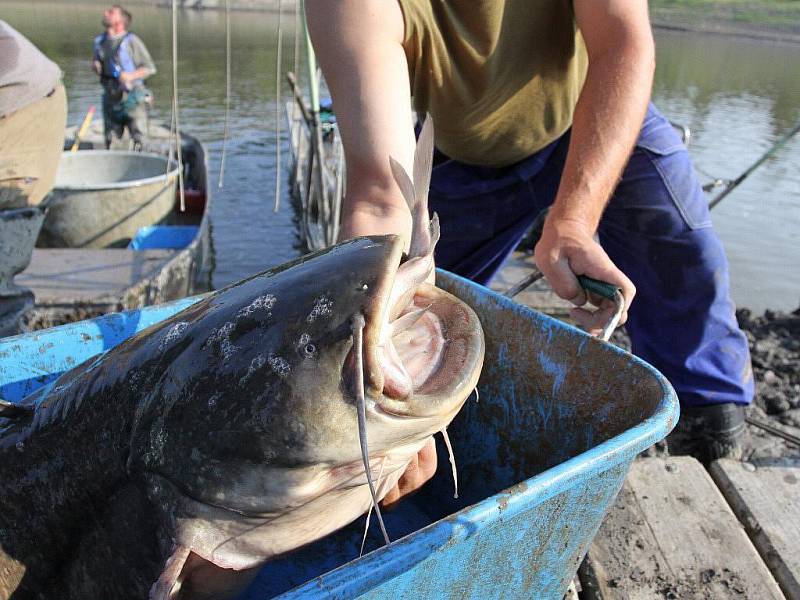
656, 229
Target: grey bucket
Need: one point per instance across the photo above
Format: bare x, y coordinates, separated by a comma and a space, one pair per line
101, 198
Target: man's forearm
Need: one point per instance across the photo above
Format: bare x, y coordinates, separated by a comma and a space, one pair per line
367, 216
359, 46
606, 124
141, 73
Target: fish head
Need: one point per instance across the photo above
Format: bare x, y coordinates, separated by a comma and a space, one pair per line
249, 444
256, 394
250, 379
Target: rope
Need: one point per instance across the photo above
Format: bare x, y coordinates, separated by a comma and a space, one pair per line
278, 175
297, 35
175, 122
171, 143
227, 93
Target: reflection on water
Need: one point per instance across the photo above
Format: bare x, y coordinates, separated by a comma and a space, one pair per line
738, 97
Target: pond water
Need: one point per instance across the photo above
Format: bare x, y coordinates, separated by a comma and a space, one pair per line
738, 96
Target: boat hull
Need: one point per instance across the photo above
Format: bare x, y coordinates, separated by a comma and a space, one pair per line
71, 284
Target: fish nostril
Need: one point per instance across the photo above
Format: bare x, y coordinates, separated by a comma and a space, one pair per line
310, 350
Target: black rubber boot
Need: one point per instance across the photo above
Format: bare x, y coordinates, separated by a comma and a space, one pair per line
709, 432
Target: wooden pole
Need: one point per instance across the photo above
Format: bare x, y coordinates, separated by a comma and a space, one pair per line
87, 121
323, 205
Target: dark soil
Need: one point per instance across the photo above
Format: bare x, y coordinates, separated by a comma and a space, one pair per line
775, 350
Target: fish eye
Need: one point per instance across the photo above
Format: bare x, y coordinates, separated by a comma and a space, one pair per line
310, 349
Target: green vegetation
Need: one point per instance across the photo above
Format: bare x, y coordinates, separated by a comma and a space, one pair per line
765, 18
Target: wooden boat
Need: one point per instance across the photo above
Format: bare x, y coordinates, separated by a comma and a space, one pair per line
71, 283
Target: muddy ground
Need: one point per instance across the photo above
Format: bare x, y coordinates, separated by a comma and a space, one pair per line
775, 349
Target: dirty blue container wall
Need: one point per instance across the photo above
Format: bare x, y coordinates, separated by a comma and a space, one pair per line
166, 237
31, 360
540, 456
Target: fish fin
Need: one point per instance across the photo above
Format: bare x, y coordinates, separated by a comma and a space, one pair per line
361, 409
435, 230
9, 410
168, 584
403, 182
407, 320
423, 163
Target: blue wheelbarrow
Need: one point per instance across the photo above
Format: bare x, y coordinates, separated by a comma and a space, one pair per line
541, 455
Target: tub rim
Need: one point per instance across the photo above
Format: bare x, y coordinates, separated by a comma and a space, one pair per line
166, 177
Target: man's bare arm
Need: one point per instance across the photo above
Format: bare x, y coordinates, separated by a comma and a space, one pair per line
359, 46
607, 121
140, 73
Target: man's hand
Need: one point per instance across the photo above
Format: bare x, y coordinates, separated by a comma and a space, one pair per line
566, 249
418, 472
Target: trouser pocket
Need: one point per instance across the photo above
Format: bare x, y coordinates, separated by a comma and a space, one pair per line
659, 148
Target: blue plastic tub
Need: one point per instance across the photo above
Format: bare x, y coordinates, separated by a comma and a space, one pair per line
168, 237
540, 456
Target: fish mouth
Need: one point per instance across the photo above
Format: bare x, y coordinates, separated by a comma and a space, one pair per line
432, 362
423, 347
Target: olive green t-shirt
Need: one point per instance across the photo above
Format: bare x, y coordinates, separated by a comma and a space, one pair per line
500, 77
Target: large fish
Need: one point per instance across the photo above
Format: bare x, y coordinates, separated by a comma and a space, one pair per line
181, 461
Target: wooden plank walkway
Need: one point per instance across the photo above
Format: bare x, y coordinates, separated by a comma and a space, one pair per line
671, 534
765, 495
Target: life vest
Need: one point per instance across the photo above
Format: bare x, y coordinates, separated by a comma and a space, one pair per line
122, 59
118, 101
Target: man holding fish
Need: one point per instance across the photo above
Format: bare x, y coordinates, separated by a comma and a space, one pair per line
543, 105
